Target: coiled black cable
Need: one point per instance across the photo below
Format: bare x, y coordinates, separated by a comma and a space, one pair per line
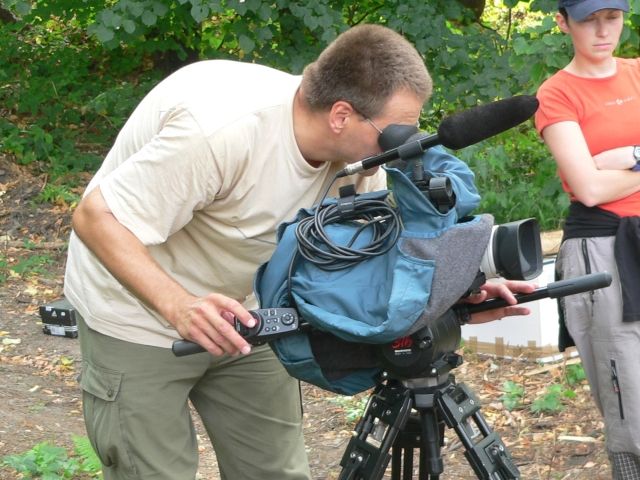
316, 246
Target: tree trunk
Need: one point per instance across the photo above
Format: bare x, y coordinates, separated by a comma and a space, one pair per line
477, 6
6, 16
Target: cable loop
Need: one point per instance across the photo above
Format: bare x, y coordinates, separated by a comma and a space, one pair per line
316, 246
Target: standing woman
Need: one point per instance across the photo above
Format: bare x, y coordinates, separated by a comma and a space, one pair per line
589, 117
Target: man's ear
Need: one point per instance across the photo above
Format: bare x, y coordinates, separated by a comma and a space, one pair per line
339, 115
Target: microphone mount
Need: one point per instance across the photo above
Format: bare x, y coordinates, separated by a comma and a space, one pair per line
407, 151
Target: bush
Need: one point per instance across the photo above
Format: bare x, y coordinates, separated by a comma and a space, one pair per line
64, 100
516, 177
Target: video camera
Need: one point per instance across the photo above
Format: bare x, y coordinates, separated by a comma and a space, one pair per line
513, 252
432, 194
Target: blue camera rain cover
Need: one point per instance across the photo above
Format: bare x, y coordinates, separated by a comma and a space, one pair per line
431, 266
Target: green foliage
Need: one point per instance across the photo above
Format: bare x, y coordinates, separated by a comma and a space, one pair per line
513, 394
49, 462
33, 265
352, 407
574, 374
4, 268
63, 99
508, 51
551, 401
516, 177
89, 458
59, 194
71, 72
43, 460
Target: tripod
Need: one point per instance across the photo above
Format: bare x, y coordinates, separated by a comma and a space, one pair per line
409, 414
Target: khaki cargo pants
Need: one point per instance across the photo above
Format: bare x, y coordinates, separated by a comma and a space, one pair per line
137, 414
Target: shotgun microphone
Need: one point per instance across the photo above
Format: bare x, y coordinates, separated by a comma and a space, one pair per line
457, 131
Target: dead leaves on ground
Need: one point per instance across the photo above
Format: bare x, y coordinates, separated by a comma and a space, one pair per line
61, 366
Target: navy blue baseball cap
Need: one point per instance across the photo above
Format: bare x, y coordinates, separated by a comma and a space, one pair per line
581, 9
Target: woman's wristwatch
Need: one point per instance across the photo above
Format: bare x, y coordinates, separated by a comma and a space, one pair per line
636, 157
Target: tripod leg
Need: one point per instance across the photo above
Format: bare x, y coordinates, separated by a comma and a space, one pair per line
367, 454
487, 456
396, 462
430, 455
406, 442
423, 431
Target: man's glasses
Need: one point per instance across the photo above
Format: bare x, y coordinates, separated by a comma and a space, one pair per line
370, 122
378, 129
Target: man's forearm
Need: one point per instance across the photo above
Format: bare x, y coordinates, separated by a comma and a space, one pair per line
126, 258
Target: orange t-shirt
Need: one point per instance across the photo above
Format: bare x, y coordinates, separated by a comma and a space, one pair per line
607, 110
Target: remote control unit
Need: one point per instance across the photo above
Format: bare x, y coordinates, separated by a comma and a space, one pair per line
271, 323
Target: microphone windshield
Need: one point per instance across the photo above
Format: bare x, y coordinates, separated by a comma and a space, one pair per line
484, 121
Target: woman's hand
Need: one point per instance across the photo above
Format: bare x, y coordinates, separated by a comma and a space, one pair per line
503, 290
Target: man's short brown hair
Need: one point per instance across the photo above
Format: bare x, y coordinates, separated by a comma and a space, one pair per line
365, 66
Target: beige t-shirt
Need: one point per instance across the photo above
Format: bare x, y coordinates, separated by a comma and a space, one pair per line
203, 172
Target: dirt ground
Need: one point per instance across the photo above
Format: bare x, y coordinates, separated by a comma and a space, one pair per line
40, 400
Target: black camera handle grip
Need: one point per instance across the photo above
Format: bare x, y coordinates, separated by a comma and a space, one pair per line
181, 348
561, 288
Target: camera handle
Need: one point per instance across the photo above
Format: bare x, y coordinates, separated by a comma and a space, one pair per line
561, 288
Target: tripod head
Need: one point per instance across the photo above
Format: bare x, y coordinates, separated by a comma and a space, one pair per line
428, 353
